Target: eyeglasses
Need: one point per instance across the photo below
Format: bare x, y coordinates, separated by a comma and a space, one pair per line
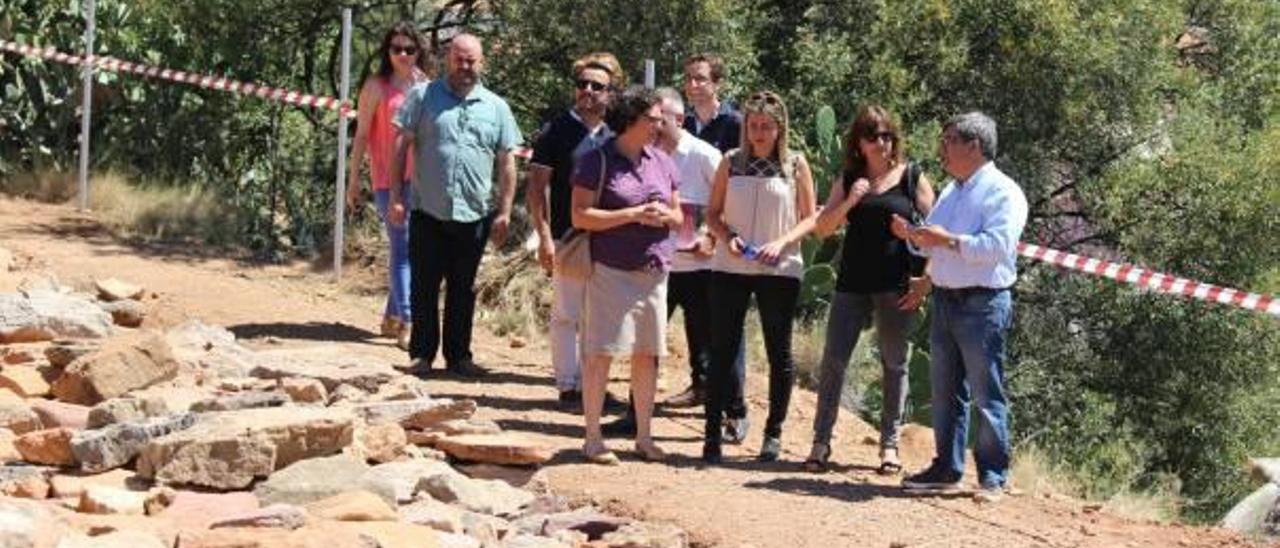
591, 85
403, 50
879, 136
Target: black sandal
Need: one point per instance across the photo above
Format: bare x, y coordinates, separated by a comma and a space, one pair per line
889, 465
819, 461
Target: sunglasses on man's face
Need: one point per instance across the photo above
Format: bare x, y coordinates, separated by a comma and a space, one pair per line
404, 50
591, 85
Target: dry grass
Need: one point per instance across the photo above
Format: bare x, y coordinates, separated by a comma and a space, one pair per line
514, 295
146, 211
1034, 473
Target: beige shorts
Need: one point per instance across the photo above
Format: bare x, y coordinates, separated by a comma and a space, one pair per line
625, 312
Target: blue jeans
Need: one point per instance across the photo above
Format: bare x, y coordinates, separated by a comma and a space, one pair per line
398, 269
967, 341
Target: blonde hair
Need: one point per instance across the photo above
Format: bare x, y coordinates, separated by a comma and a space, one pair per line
602, 60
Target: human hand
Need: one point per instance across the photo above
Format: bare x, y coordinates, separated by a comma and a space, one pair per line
704, 247
931, 236
395, 212
859, 189
353, 197
498, 231
900, 227
917, 292
771, 252
547, 254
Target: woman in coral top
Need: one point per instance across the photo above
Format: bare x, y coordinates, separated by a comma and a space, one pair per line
405, 63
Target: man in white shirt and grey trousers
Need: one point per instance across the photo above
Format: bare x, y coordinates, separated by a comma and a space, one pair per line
971, 239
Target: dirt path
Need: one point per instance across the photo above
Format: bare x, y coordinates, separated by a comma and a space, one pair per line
741, 503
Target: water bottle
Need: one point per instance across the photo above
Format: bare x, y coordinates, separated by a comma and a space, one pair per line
749, 251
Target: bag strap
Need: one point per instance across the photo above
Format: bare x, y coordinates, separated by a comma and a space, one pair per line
604, 164
912, 186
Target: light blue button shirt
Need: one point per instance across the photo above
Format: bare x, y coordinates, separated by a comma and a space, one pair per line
987, 214
456, 140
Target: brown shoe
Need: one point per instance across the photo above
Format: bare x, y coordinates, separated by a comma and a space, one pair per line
691, 397
391, 327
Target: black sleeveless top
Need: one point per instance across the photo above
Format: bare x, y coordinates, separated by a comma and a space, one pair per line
872, 259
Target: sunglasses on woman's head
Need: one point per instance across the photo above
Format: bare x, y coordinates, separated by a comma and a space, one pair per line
765, 97
404, 50
592, 85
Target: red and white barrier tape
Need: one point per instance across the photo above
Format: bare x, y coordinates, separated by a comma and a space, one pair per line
210, 82
1163, 283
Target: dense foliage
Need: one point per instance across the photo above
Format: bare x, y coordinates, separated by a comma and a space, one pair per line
1141, 130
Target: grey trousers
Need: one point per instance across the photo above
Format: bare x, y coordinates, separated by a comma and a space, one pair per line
851, 313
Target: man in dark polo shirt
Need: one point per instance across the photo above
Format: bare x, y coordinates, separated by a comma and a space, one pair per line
719, 123
577, 130
712, 120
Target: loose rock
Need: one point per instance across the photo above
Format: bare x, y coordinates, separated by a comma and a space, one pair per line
304, 390
275, 516
55, 414
326, 365
22, 481
506, 448
113, 373
399, 480
126, 313
239, 401
27, 381
43, 315
51, 446
202, 510
116, 445
229, 450
62, 352
97, 499
491, 497
379, 443
19, 418
314, 479
353, 506
112, 289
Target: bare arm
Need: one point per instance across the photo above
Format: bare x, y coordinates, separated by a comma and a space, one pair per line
715, 210
588, 217
395, 208
806, 204
367, 104
506, 164
539, 178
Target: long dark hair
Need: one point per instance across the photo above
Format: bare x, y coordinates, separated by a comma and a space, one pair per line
407, 30
869, 120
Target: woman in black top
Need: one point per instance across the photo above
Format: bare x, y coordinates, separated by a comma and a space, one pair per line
877, 275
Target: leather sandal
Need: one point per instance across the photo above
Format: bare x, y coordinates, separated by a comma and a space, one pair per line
650, 453
600, 455
819, 460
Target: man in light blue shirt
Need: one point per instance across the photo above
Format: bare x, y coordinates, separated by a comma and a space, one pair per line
460, 134
971, 240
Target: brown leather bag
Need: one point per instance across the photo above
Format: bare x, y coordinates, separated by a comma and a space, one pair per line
573, 254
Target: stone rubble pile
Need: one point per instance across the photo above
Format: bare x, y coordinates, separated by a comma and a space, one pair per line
112, 436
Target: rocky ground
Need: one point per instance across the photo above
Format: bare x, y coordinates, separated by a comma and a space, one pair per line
171, 396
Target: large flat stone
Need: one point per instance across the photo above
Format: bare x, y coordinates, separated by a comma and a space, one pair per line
42, 315
421, 413
23, 481
116, 445
492, 497
202, 510
505, 448
229, 450
353, 506
318, 535
313, 479
28, 523
330, 365
28, 381
113, 373
275, 516
401, 479
208, 352
241, 400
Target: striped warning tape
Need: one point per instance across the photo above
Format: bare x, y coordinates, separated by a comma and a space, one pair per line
210, 82
1163, 283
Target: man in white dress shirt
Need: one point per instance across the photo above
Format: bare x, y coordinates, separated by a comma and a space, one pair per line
971, 240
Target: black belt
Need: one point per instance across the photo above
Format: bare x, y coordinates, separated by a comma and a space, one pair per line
966, 291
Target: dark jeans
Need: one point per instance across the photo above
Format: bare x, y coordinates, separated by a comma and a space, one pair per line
776, 298
692, 292
444, 251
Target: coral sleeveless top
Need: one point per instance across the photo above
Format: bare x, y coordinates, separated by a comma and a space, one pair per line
382, 137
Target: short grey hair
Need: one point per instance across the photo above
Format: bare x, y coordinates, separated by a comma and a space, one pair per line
670, 95
976, 126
